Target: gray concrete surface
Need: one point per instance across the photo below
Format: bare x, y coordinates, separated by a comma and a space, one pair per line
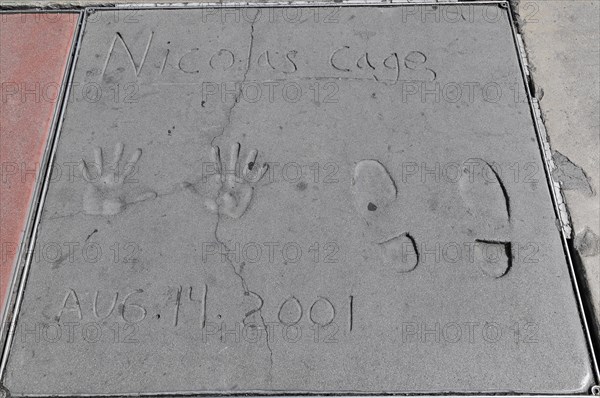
562, 38
398, 178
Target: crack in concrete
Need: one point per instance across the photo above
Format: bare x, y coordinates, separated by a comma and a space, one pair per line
236, 100
248, 292
60, 216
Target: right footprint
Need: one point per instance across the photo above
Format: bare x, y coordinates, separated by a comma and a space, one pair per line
488, 206
373, 192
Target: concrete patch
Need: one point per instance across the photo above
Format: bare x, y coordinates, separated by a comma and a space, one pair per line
570, 176
587, 243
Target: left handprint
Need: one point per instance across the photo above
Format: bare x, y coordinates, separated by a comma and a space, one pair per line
109, 192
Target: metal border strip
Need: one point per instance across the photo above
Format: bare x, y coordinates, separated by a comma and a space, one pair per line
291, 394
26, 248
292, 4
108, 4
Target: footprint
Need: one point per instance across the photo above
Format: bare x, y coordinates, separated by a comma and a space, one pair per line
494, 258
374, 192
373, 188
485, 196
400, 252
109, 192
488, 207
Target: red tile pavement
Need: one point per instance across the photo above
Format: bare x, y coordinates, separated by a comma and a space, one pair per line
34, 50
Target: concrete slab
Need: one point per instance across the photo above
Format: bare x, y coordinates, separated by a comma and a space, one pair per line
34, 50
314, 200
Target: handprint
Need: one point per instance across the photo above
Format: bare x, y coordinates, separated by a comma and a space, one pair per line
231, 191
108, 193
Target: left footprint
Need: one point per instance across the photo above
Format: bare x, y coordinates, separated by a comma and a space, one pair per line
374, 192
109, 192
373, 189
